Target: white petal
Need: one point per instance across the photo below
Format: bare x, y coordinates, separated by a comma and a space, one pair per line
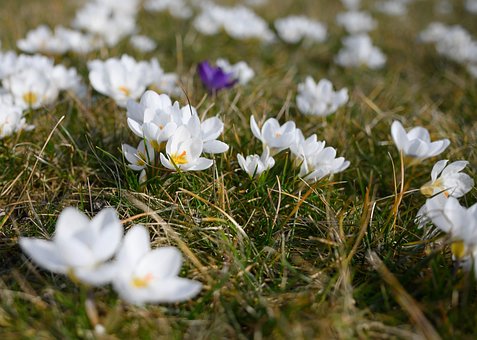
174, 290
109, 234
44, 253
97, 276
161, 263
437, 169
135, 245
215, 146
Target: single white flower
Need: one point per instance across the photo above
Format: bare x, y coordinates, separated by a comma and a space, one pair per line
121, 79
255, 165
11, 120
43, 40
471, 6
434, 32
358, 50
461, 223
183, 152
417, 142
448, 179
177, 8
392, 7
68, 79
292, 29
31, 88
143, 43
138, 157
457, 44
324, 163
80, 247
277, 137
240, 71
355, 22
146, 275
208, 131
319, 99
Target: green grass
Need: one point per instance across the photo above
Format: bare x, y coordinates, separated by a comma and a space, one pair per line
304, 269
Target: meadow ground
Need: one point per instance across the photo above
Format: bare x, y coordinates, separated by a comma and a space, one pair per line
341, 258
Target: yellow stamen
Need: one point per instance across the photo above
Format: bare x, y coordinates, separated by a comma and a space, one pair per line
179, 159
141, 159
30, 98
141, 282
124, 90
458, 249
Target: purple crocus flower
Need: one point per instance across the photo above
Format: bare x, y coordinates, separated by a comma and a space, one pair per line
214, 78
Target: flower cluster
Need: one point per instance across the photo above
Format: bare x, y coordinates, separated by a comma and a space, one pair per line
454, 43
177, 8
312, 157
175, 132
358, 50
355, 22
293, 29
95, 253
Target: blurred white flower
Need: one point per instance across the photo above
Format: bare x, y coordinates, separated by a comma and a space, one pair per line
121, 79
239, 22
240, 71
11, 120
302, 148
293, 29
8, 63
417, 142
472, 70
434, 32
163, 82
471, 6
351, 5
457, 45
138, 157
183, 152
277, 137
355, 22
177, 8
393, 7
68, 79
143, 43
448, 179
319, 99
31, 88
80, 247
255, 165
358, 50
146, 275
43, 40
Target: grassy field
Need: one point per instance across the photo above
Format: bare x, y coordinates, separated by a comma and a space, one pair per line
342, 258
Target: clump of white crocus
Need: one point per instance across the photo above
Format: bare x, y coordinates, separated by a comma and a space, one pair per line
355, 22
302, 148
240, 71
121, 79
150, 275
392, 7
319, 99
11, 120
448, 179
293, 29
255, 165
80, 248
183, 151
321, 164
277, 137
143, 43
417, 142
358, 50
177, 8
139, 157
43, 40
433, 32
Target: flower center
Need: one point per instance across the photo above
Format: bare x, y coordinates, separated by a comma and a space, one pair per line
30, 98
179, 159
142, 282
458, 249
124, 90
141, 159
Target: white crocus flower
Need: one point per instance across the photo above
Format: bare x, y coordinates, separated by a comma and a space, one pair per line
121, 79
471, 6
322, 164
177, 8
277, 137
461, 223
293, 29
240, 71
31, 88
183, 152
11, 120
146, 275
80, 247
319, 99
358, 50
302, 148
417, 142
448, 179
355, 22
143, 43
255, 165
43, 40
208, 131
138, 157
